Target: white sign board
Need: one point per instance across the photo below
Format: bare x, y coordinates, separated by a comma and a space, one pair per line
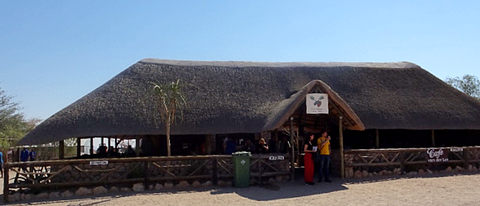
276, 158
99, 162
317, 103
456, 149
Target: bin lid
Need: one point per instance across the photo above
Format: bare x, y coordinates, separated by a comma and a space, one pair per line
242, 153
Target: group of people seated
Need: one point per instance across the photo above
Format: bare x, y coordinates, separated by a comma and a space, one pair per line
111, 152
231, 146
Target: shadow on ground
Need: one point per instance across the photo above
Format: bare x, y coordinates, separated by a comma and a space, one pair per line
284, 190
275, 191
260, 192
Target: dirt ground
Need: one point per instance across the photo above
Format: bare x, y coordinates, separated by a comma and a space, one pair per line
460, 189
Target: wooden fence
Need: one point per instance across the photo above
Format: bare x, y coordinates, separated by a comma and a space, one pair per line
410, 159
149, 170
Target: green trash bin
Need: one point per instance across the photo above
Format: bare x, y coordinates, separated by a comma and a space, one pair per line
241, 169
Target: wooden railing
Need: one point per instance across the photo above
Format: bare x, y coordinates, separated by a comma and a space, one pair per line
262, 166
368, 159
149, 170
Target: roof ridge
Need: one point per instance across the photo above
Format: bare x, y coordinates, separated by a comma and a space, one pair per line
399, 65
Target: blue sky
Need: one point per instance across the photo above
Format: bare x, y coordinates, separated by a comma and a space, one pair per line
54, 52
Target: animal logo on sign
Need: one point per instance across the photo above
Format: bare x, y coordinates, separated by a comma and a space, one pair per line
318, 102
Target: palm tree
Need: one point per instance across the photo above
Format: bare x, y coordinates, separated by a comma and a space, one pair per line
169, 99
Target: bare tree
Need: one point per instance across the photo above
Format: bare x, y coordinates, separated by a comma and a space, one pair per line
169, 100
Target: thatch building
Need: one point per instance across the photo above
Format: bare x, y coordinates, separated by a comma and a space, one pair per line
254, 97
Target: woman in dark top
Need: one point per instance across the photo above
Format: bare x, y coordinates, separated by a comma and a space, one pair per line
308, 159
263, 146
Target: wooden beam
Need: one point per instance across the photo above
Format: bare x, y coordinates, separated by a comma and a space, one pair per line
91, 145
299, 124
61, 149
147, 174
342, 157
17, 156
214, 144
208, 148
292, 154
275, 139
79, 146
209, 143
123, 160
433, 138
137, 145
215, 171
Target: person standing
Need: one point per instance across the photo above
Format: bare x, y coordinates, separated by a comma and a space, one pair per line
1, 164
130, 152
308, 159
231, 146
324, 163
24, 158
262, 146
10, 155
32, 155
24, 155
285, 145
249, 146
112, 152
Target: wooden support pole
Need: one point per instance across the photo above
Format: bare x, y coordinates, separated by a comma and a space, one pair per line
208, 147
215, 171
137, 145
91, 145
433, 138
214, 143
102, 142
17, 157
116, 144
209, 143
465, 158
401, 157
275, 139
147, 174
377, 139
79, 146
301, 130
260, 172
61, 149
109, 144
292, 154
342, 155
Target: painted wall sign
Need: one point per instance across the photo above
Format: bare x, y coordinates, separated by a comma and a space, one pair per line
96, 163
437, 155
317, 103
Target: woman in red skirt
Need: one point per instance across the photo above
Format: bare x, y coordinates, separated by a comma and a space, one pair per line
308, 159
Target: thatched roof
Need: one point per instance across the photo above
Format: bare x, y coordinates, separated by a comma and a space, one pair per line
251, 97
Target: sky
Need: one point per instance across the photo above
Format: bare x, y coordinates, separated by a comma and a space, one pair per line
54, 52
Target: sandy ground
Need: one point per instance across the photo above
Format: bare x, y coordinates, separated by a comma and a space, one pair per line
444, 190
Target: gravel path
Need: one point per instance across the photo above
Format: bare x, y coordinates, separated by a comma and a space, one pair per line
445, 190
